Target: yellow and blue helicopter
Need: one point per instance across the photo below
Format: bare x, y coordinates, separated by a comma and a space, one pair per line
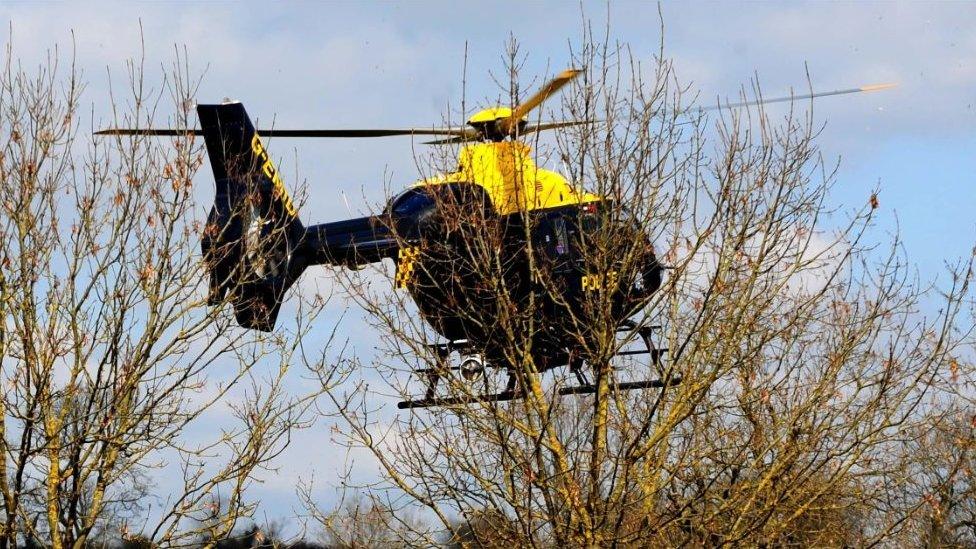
255, 246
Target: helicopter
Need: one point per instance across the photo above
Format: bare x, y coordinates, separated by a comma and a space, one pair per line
255, 246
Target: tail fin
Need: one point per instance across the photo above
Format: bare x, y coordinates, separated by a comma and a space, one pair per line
253, 230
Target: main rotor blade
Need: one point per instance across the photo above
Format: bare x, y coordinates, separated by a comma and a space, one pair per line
468, 134
452, 140
363, 133
868, 88
295, 133
530, 128
543, 126
161, 132
563, 78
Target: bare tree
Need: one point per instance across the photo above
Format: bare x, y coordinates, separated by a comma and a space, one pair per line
801, 379
362, 522
110, 353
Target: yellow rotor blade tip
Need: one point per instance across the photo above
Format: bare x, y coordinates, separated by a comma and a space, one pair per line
878, 87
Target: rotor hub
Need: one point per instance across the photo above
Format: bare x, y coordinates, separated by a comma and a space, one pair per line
493, 124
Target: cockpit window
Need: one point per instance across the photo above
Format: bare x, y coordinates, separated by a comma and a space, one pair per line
411, 202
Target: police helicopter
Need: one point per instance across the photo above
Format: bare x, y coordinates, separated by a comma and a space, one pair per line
255, 246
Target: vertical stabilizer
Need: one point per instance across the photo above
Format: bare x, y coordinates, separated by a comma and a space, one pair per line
253, 229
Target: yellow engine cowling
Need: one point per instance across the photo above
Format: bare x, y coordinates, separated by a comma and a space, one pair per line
510, 177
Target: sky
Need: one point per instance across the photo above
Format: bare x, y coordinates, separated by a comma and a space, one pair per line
365, 64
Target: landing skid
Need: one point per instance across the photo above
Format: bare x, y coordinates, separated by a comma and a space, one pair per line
455, 401
627, 386
512, 391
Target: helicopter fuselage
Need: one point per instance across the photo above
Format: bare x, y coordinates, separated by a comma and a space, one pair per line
497, 224
501, 224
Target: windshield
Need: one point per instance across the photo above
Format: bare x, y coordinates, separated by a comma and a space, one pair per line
410, 202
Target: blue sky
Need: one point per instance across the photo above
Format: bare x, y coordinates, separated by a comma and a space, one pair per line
309, 64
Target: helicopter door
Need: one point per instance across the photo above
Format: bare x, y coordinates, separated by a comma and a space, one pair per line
553, 241
562, 249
